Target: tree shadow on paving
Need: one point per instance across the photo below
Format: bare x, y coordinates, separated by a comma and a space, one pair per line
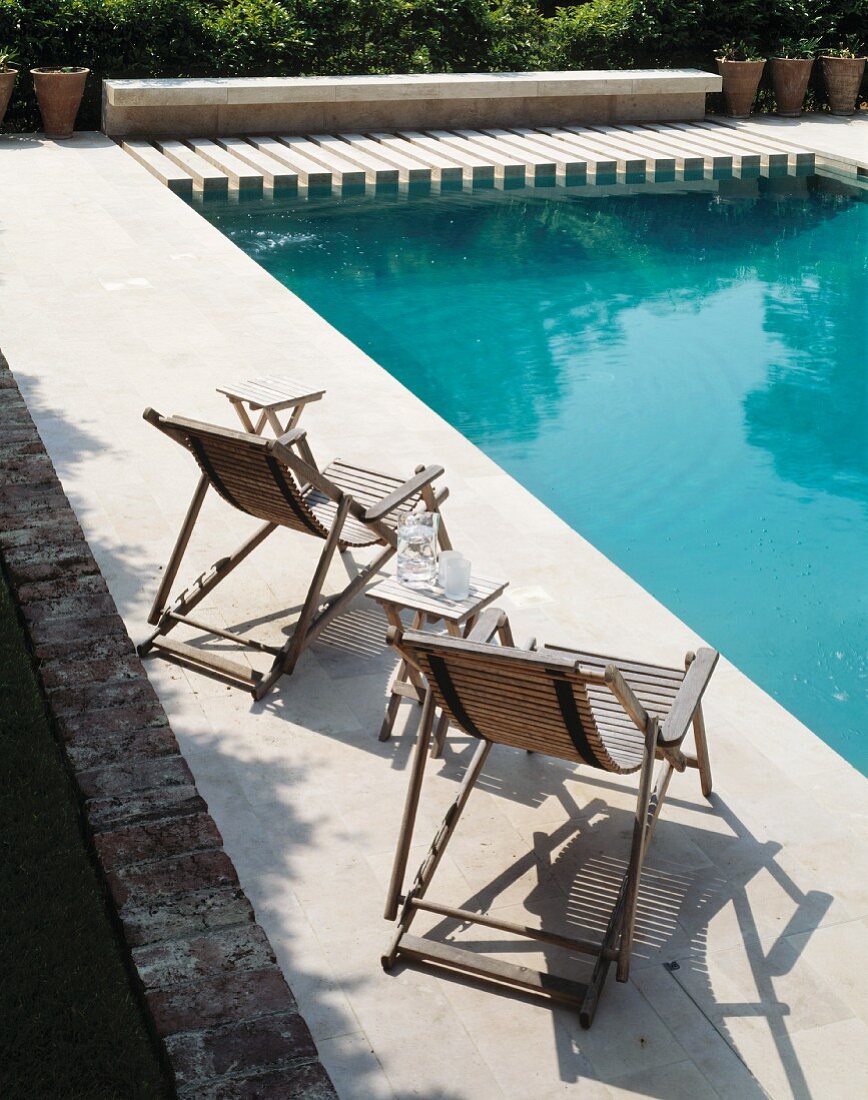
69, 445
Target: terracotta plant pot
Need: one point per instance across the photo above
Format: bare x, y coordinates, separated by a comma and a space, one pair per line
59, 95
7, 82
843, 76
740, 82
790, 76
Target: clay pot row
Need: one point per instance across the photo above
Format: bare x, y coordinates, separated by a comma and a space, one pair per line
58, 94
790, 76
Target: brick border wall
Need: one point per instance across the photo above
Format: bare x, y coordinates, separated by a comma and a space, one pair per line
226, 1019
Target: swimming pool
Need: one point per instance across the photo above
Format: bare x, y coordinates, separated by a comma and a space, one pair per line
695, 360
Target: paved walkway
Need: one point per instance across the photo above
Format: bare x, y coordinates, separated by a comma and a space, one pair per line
834, 138
115, 295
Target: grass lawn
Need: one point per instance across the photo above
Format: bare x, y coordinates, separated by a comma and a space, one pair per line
69, 1024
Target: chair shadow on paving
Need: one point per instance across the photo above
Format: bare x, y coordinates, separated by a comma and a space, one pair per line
585, 858
579, 866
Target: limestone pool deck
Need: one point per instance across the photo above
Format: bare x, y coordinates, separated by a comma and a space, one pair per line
115, 295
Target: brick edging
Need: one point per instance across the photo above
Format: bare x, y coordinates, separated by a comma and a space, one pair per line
225, 1017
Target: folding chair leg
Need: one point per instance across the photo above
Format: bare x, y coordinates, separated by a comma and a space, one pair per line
411, 805
310, 625
440, 736
701, 740
432, 503
174, 562
389, 717
618, 918
702, 751
637, 852
206, 583
435, 852
591, 999
286, 660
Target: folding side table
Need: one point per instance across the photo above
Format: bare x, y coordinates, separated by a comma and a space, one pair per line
269, 396
430, 607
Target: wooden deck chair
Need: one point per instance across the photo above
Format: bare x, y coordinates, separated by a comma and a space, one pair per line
277, 481
614, 715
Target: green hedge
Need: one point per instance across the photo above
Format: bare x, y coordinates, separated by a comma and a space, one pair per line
151, 38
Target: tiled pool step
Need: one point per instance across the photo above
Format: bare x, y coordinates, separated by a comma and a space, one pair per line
566, 155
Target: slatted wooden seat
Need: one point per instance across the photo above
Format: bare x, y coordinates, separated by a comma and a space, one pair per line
278, 482
617, 716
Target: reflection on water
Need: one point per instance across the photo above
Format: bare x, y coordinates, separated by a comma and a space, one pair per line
681, 376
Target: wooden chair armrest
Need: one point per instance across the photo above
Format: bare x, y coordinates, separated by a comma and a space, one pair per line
292, 437
397, 497
689, 695
307, 474
490, 622
625, 695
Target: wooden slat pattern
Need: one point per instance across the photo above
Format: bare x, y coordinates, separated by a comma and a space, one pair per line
482, 591
615, 154
524, 699
271, 392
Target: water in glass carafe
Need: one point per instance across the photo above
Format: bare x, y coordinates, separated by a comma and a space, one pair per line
417, 549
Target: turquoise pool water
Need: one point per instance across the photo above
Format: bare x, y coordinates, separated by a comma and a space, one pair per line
681, 376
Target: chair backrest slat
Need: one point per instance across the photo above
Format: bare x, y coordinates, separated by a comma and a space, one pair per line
244, 471
539, 702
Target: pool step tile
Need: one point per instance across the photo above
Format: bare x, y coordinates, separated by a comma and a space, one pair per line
377, 171
160, 166
601, 154
309, 173
240, 174
204, 175
275, 174
390, 153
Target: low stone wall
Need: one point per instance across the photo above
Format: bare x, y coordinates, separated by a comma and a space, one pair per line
304, 105
227, 1020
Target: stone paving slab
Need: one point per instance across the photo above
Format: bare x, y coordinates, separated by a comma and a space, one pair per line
755, 894
839, 141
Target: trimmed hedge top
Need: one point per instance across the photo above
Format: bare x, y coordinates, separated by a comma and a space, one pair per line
178, 38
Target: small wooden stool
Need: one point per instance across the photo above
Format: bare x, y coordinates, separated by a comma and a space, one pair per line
429, 606
269, 396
